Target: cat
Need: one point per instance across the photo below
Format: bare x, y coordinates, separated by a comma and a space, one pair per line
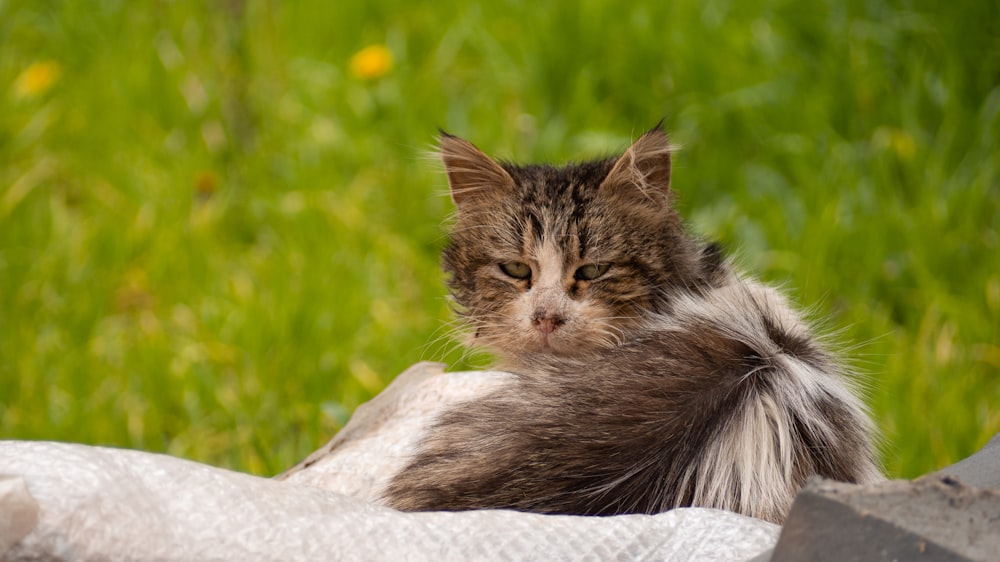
648, 373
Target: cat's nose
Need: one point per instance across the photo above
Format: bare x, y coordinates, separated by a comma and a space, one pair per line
546, 323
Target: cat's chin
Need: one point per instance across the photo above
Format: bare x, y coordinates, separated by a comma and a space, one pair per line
548, 345
528, 346
539, 349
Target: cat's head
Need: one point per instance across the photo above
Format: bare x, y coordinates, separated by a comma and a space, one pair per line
566, 260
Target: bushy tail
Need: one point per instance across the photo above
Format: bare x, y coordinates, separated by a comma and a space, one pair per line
799, 412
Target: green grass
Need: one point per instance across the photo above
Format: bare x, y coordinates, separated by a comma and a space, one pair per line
216, 241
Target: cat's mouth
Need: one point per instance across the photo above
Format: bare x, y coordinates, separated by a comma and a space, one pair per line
544, 342
550, 343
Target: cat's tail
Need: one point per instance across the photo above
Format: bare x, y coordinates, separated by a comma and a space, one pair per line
798, 410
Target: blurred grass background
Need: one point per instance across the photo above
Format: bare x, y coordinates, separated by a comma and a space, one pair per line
219, 230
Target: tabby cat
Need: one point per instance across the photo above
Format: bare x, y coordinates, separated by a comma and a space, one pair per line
648, 373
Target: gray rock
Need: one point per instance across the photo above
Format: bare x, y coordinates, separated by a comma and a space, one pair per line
981, 470
952, 514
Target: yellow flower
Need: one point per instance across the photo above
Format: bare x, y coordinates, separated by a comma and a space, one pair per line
374, 61
37, 79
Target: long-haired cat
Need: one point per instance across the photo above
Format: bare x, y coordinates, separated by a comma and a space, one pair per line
649, 374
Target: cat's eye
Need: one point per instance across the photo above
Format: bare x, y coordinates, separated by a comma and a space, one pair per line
591, 271
516, 269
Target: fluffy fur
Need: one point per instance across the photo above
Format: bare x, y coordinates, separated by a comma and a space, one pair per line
650, 375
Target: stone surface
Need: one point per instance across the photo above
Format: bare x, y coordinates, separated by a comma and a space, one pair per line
934, 518
981, 470
952, 514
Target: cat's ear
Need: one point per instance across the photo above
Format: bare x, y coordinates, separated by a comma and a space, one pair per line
472, 176
642, 174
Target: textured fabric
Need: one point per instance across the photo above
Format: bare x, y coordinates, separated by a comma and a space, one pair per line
109, 504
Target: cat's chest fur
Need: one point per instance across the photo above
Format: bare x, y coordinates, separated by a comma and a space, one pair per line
650, 374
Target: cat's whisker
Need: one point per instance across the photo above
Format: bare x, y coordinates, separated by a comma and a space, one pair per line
444, 340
